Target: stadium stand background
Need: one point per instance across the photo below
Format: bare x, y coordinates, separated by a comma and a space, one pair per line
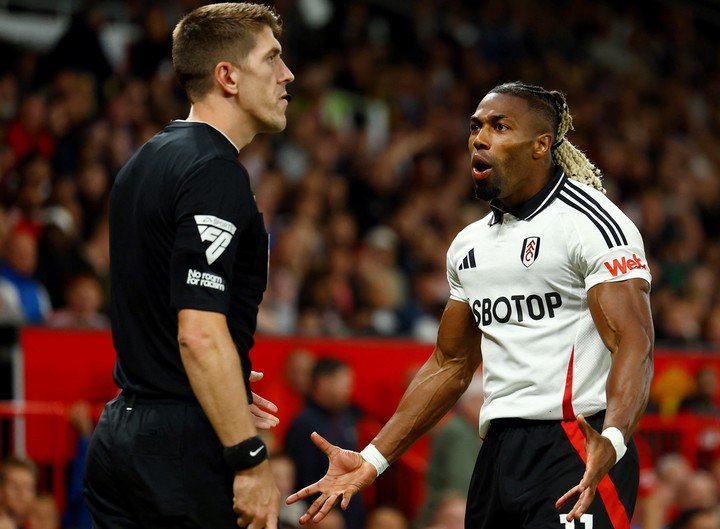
368, 185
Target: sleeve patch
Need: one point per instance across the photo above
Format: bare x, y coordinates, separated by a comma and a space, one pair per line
216, 230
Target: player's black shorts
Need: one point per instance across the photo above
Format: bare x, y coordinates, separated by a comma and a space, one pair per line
525, 466
157, 463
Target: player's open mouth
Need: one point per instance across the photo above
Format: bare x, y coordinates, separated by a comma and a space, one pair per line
287, 97
481, 169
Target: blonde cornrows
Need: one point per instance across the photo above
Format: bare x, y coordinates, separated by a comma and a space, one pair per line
554, 106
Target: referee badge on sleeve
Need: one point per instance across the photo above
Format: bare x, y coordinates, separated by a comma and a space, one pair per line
530, 251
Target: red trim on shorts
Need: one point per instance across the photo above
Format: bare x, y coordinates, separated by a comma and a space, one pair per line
567, 407
606, 488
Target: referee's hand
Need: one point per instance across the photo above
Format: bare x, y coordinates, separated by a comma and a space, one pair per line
256, 498
600, 459
348, 473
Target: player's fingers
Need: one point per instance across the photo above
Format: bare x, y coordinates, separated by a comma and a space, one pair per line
585, 428
303, 493
567, 496
329, 504
264, 403
323, 444
346, 497
256, 375
314, 508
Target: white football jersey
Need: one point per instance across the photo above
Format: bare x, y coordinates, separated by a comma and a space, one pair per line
526, 275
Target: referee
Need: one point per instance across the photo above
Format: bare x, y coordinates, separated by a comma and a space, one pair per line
189, 252
550, 291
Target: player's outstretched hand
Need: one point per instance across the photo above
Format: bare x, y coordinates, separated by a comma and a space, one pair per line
262, 409
600, 459
256, 498
348, 473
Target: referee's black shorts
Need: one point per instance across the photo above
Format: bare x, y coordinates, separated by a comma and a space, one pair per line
525, 466
157, 463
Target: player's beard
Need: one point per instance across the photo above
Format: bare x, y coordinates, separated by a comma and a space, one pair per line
487, 192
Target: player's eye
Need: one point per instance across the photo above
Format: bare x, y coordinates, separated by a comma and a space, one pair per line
474, 127
500, 127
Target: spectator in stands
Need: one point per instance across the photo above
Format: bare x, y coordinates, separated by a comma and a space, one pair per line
44, 513
283, 470
700, 491
18, 488
454, 449
328, 411
84, 299
707, 518
703, 401
673, 472
18, 269
77, 515
291, 391
450, 512
386, 518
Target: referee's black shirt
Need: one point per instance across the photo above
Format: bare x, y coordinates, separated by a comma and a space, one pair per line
185, 232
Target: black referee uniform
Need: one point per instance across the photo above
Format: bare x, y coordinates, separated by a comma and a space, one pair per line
185, 233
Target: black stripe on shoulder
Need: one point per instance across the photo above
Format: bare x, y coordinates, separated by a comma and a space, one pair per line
570, 192
592, 219
603, 210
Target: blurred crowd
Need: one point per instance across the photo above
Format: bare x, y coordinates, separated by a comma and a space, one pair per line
364, 191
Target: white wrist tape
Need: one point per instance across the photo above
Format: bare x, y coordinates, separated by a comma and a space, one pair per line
618, 441
373, 456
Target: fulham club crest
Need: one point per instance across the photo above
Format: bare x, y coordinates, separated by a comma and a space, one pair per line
530, 251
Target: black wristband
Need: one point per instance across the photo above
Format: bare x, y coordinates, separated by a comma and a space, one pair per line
246, 454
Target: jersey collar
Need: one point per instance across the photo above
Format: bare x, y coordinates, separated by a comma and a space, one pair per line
211, 126
533, 206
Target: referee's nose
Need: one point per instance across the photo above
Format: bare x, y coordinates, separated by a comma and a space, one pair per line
286, 76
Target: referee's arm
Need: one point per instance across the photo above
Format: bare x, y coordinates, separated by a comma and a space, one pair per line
213, 366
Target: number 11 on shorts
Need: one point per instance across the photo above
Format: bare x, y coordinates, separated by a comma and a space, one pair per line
585, 519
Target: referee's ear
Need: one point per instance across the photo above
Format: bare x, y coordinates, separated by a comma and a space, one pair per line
226, 76
541, 147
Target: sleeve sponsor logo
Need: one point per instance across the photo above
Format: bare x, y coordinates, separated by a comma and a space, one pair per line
623, 265
220, 232
206, 280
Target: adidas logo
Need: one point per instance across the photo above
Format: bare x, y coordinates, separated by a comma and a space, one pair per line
220, 232
469, 261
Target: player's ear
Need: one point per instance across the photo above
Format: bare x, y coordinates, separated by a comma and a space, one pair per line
542, 145
227, 76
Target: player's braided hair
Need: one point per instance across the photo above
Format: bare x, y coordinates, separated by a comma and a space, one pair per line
554, 107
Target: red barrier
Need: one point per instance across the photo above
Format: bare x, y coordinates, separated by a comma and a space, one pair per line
66, 366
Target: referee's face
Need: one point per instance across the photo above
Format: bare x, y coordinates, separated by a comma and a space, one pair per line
503, 146
262, 80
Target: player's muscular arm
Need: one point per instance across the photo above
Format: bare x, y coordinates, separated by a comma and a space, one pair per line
438, 384
435, 388
621, 312
213, 367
